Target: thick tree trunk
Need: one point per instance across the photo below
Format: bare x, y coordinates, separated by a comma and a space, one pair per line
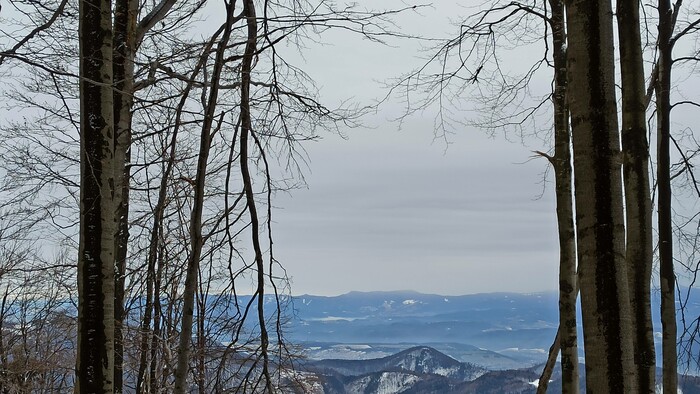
568, 289
124, 46
99, 175
600, 228
639, 248
667, 276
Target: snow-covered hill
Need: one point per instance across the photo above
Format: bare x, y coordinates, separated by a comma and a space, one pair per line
418, 360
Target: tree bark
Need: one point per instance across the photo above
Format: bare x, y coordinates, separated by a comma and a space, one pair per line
635, 148
549, 365
246, 130
98, 186
568, 289
196, 240
600, 228
124, 46
666, 275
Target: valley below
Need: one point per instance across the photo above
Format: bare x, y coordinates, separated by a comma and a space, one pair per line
408, 342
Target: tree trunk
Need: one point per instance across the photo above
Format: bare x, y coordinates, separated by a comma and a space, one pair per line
666, 274
183, 351
4, 384
201, 342
153, 383
549, 364
99, 175
635, 148
600, 228
124, 46
568, 290
246, 130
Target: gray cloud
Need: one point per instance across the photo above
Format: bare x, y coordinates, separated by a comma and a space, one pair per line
389, 209
400, 213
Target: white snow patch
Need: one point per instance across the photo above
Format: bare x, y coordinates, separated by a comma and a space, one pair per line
357, 346
393, 382
410, 302
660, 390
536, 383
334, 318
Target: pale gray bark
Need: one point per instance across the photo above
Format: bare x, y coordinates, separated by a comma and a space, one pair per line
666, 275
549, 365
639, 248
99, 175
566, 340
124, 46
599, 206
568, 288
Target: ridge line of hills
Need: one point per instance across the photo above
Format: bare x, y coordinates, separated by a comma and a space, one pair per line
425, 370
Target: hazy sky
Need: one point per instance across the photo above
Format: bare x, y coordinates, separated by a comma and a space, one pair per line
391, 209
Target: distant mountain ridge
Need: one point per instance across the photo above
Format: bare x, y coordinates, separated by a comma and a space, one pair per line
419, 359
424, 370
419, 369
518, 326
524, 323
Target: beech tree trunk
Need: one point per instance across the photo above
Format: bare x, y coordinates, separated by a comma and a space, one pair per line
600, 228
568, 289
124, 46
667, 275
635, 147
99, 176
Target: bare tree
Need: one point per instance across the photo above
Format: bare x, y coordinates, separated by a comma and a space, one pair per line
467, 69
208, 128
666, 262
568, 281
635, 153
98, 207
605, 301
161, 98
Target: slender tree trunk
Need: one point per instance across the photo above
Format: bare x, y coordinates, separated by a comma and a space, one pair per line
99, 175
183, 352
153, 247
639, 248
152, 259
551, 361
155, 251
600, 228
153, 384
246, 130
568, 289
667, 276
4, 384
549, 364
124, 46
201, 343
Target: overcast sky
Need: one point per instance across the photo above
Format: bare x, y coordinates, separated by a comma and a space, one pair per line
391, 209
